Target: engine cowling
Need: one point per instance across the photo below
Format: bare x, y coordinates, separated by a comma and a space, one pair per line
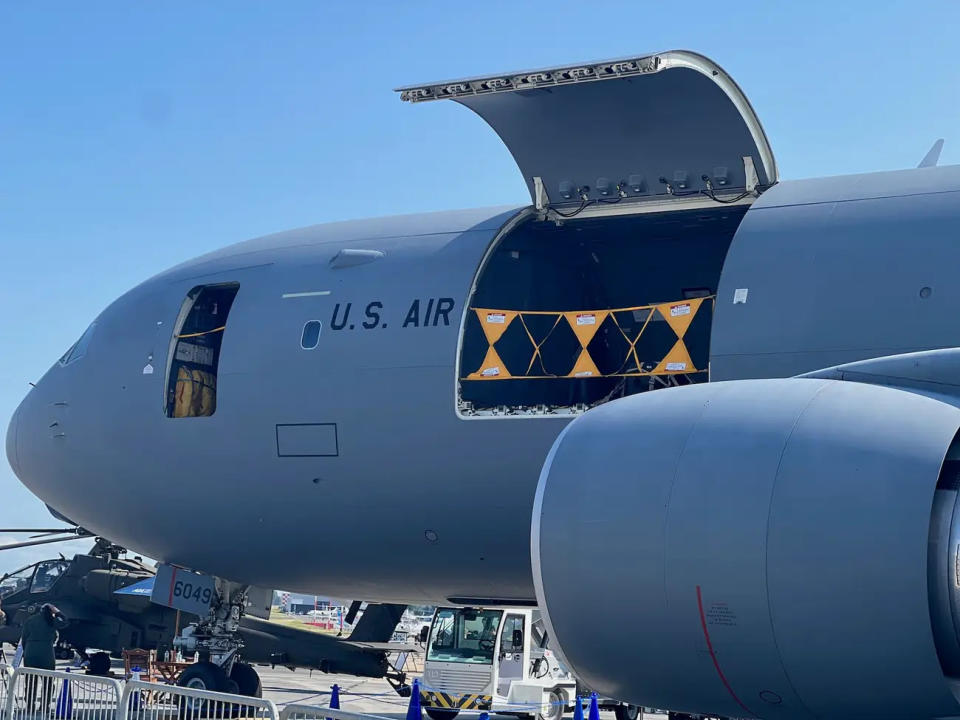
757, 549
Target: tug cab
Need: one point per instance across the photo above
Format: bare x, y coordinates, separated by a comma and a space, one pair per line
497, 659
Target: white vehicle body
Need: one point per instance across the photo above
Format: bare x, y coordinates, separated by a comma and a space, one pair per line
493, 659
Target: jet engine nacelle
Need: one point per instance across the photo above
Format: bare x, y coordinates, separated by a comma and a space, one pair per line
757, 548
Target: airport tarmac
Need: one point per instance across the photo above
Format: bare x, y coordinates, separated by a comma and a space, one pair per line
364, 695
361, 695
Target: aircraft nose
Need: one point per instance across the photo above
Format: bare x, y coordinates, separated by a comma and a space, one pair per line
12, 442
23, 439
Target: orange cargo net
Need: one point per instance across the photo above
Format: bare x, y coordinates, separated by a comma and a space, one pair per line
585, 324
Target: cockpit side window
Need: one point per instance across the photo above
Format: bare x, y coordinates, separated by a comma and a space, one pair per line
79, 348
16, 581
191, 389
47, 575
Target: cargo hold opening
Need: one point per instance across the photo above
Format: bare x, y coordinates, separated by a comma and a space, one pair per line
191, 389
566, 317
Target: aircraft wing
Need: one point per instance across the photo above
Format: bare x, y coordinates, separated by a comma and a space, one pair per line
928, 372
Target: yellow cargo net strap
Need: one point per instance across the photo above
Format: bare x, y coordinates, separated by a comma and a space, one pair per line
205, 332
585, 324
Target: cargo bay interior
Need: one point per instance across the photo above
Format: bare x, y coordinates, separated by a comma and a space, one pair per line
558, 310
195, 351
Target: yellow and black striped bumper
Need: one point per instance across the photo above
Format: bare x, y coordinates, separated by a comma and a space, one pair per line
447, 701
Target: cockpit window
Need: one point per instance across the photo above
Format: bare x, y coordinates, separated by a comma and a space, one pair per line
47, 575
79, 348
15, 581
195, 351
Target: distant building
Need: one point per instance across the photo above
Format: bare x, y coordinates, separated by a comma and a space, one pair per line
299, 604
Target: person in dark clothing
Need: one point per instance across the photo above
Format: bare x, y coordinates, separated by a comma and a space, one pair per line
39, 636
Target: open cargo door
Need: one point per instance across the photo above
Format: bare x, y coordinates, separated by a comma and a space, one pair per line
667, 125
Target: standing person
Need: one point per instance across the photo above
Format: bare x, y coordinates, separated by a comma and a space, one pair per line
39, 636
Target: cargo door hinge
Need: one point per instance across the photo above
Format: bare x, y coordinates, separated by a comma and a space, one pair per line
540, 199
750, 173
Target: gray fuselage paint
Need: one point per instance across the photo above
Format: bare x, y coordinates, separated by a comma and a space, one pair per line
417, 504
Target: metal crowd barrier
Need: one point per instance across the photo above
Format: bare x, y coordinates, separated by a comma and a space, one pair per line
151, 701
6, 674
32, 694
313, 712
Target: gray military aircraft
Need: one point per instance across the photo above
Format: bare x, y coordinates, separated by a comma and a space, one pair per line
779, 542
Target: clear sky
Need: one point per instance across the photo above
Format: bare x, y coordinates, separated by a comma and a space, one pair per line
136, 135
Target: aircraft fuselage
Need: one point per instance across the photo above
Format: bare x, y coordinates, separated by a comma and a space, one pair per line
347, 469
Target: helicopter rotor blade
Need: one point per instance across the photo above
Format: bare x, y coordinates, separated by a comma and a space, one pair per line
49, 533
42, 531
30, 543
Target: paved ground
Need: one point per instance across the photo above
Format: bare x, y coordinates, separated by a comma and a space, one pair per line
357, 694
361, 695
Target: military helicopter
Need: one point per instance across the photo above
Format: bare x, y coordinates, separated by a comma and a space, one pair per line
85, 589
101, 594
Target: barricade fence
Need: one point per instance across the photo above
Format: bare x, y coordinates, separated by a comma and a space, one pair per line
299, 711
33, 693
151, 701
6, 674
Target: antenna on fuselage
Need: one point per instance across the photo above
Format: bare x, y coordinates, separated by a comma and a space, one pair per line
933, 155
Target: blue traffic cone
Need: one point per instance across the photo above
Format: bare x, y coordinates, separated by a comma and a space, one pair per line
64, 702
334, 698
414, 711
578, 709
135, 696
594, 708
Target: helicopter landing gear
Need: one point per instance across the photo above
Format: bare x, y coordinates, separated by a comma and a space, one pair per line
216, 640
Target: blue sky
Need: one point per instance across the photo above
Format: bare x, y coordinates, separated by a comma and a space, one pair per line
136, 135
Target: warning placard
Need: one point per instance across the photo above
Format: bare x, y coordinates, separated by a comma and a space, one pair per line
497, 318
678, 310
586, 319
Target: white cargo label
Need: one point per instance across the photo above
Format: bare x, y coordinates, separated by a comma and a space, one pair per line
586, 319
498, 318
676, 366
584, 373
490, 372
188, 352
678, 310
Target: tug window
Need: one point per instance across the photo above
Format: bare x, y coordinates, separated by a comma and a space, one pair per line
310, 337
195, 351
